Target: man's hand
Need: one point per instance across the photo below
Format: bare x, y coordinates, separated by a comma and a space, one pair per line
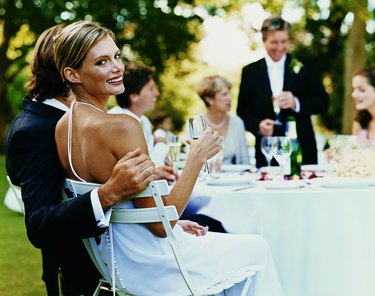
286, 100
131, 175
193, 227
266, 127
166, 173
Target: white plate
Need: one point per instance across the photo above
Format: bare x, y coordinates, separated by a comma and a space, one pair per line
342, 182
235, 168
230, 180
293, 184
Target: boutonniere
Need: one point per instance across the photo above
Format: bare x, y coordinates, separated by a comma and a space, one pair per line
295, 65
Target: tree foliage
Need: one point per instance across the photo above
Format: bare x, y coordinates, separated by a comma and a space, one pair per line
154, 30
163, 33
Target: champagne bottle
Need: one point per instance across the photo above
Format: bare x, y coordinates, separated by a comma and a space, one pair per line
296, 156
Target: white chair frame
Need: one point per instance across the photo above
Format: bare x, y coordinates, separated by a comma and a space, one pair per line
160, 213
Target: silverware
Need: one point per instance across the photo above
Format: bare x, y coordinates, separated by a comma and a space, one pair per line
243, 188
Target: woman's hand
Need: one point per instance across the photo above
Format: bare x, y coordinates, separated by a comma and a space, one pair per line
193, 227
208, 144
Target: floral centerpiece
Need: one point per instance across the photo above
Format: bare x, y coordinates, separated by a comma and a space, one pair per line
353, 159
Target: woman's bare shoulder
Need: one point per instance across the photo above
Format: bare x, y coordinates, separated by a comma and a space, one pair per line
121, 123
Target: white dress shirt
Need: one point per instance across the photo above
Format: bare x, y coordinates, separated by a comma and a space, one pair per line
276, 76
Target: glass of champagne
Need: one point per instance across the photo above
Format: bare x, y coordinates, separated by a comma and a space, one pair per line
197, 125
276, 109
174, 148
268, 148
282, 153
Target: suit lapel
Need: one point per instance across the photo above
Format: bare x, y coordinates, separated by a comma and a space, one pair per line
287, 74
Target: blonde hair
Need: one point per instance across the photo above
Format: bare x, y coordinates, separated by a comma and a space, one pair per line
208, 87
74, 42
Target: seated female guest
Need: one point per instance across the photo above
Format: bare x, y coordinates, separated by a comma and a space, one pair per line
364, 97
215, 93
89, 143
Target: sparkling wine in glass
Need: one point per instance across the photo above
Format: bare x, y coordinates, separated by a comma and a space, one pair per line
276, 109
197, 125
282, 153
268, 148
174, 148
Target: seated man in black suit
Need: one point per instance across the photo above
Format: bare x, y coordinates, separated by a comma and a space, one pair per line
293, 84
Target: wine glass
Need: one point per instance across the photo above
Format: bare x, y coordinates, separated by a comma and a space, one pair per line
197, 125
268, 148
276, 109
282, 153
174, 148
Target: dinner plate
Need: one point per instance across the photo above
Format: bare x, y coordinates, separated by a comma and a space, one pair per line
230, 180
235, 168
342, 182
280, 185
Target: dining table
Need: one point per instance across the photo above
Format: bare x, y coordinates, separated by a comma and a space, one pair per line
320, 233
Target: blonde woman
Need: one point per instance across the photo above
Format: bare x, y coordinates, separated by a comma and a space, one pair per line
89, 143
215, 93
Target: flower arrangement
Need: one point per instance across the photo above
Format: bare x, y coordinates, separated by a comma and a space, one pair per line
353, 158
357, 163
295, 65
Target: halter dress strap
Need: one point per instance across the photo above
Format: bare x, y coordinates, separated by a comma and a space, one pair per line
70, 132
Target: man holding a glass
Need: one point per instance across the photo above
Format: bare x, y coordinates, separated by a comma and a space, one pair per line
278, 86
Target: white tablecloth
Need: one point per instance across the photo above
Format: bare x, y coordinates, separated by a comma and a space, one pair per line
322, 240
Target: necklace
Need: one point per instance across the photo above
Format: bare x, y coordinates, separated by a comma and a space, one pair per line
216, 126
89, 104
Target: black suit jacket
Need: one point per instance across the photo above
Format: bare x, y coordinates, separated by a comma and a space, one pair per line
255, 103
57, 228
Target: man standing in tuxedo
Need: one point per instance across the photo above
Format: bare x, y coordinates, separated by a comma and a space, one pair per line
292, 84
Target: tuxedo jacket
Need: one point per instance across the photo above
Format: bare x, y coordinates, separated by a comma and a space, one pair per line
57, 228
255, 103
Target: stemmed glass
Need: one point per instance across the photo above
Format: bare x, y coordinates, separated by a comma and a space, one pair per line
276, 109
174, 148
268, 148
283, 152
197, 125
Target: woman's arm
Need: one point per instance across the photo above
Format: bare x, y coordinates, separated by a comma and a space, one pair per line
126, 135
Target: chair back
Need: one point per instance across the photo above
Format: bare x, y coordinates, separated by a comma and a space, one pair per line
160, 213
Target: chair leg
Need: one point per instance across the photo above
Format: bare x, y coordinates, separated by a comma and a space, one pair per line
97, 290
246, 286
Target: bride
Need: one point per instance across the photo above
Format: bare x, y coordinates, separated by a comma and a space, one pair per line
89, 143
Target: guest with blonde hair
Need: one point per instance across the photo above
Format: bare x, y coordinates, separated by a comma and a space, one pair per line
215, 93
90, 141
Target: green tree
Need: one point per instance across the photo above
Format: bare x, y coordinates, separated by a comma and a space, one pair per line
154, 30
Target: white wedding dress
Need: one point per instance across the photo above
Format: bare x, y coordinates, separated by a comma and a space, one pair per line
146, 266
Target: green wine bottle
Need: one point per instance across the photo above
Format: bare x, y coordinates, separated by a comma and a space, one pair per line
296, 156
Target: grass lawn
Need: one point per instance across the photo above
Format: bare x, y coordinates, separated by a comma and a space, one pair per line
20, 262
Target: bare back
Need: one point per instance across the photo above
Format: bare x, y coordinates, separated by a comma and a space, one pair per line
99, 140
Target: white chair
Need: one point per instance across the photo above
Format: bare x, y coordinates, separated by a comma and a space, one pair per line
13, 198
160, 213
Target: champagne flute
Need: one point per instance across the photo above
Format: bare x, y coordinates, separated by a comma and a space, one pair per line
283, 152
174, 148
276, 109
268, 148
197, 125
